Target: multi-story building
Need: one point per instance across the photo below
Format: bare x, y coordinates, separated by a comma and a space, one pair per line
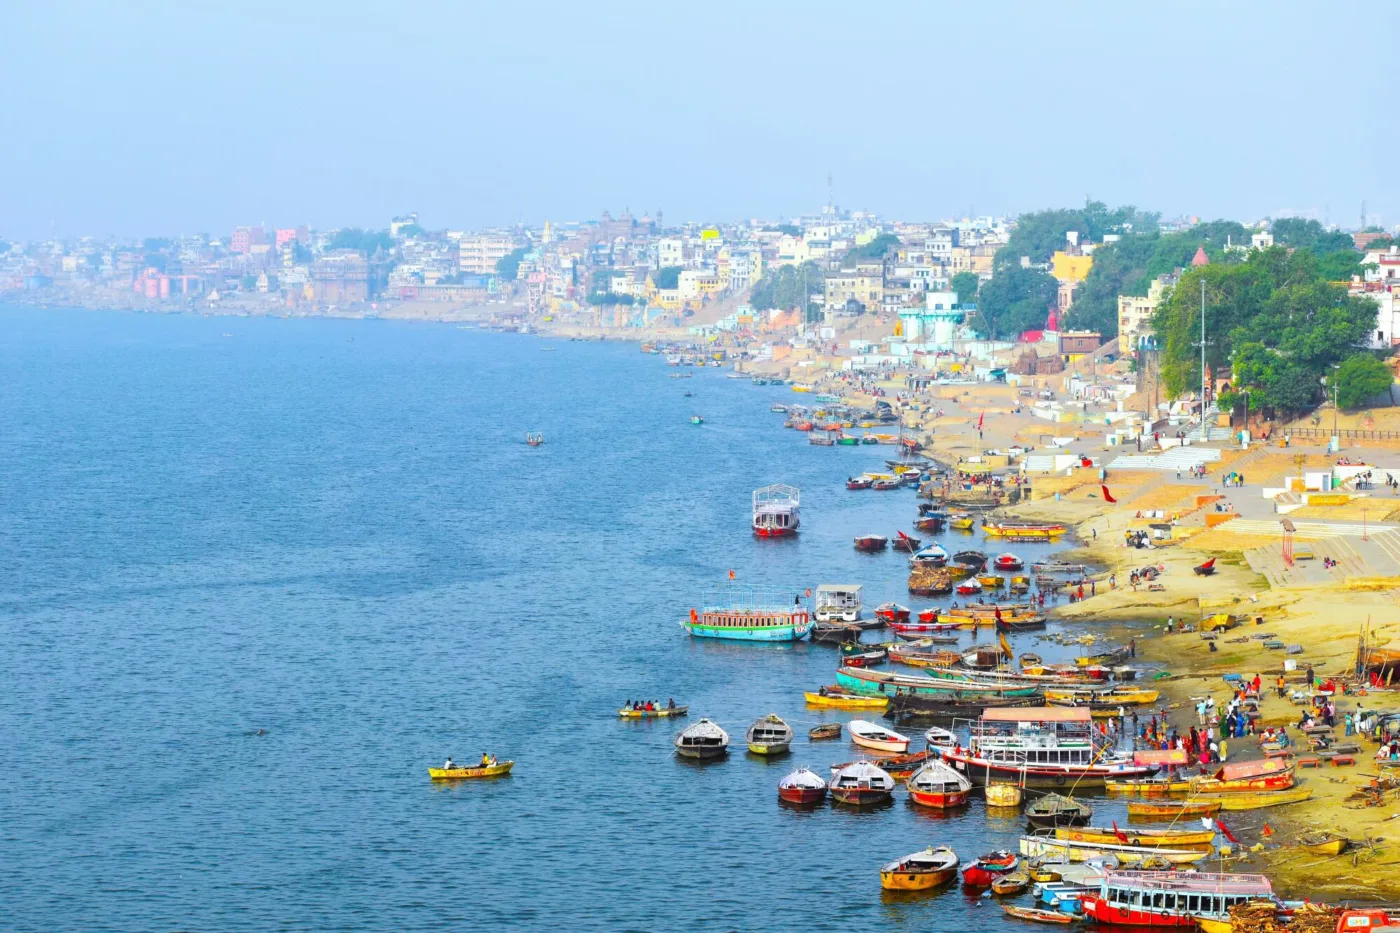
848, 288
695, 284
245, 238
340, 277
478, 254
1135, 313
670, 251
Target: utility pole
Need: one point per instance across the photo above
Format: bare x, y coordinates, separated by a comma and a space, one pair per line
1203, 358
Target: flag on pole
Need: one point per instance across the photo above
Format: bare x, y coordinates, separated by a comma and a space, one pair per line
979, 420
1107, 496
1226, 831
731, 575
1122, 836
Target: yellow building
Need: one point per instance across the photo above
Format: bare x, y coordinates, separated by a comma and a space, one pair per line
1135, 313
1069, 268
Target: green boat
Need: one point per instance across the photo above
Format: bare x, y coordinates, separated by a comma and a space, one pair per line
847, 440
884, 683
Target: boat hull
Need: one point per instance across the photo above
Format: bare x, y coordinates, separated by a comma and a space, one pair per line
805, 795
1101, 911
846, 702
982, 876
774, 748
653, 713
464, 774
1164, 811
881, 745
860, 796
774, 532
917, 880
1184, 839
703, 751
766, 633
939, 800
1235, 802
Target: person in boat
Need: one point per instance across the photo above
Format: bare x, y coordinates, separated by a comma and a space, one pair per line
651, 707
671, 703
449, 764
821, 692
485, 760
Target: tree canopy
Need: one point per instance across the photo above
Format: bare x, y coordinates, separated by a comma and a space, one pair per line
1272, 319
366, 241
1039, 234
966, 284
782, 288
667, 277
508, 266
1360, 378
875, 249
1016, 300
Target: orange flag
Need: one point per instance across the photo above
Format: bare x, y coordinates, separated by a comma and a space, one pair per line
731, 575
1267, 831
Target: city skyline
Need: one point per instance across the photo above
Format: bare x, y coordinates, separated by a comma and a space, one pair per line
173, 120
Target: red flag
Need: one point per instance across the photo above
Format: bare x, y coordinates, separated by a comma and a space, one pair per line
731, 575
979, 420
1226, 830
1107, 496
1122, 836
1268, 831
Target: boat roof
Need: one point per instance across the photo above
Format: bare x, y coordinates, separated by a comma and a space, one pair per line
1248, 769
802, 777
865, 769
1038, 714
1211, 882
1175, 756
842, 587
707, 729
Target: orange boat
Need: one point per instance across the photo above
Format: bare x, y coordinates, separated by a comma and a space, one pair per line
1246, 777
1172, 811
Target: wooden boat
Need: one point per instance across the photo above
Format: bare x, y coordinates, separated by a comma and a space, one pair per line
1058, 810
920, 871
1322, 842
885, 683
776, 508
1008, 561
1042, 874
661, 712
1023, 530
938, 737
892, 613
836, 632
883, 484
1145, 838
872, 543
877, 738
936, 785
534, 439
703, 740
968, 588
1003, 795
1030, 659
962, 521
988, 868
737, 613
851, 656
461, 774
858, 482
1111, 698
983, 657
930, 523
1012, 884
1246, 777
837, 698
899, 767
1152, 787
905, 543
861, 783
1234, 802
1172, 811
1065, 850
990, 581
1036, 915
1170, 899
975, 561
935, 555
769, 736
827, 730
802, 786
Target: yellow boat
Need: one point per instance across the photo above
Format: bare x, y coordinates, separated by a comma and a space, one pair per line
846, 701
459, 774
800, 388
991, 580
1146, 838
1324, 843
1147, 788
961, 522
663, 712
1214, 926
1259, 801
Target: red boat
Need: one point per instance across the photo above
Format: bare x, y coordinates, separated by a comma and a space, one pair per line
937, 785
1009, 561
893, 613
861, 783
1166, 899
803, 426
775, 511
872, 543
903, 542
802, 786
931, 616
858, 482
968, 588
988, 868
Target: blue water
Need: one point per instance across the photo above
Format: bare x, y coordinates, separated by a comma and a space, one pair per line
333, 531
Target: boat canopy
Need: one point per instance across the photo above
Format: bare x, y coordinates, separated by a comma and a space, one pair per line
863, 771
805, 778
1175, 757
704, 730
1202, 883
1038, 714
1249, 769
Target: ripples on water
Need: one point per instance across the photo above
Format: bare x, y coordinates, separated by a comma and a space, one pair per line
334, 532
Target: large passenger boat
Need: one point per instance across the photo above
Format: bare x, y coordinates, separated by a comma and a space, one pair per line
745, 613
1170, 899
1040, 747
775, 511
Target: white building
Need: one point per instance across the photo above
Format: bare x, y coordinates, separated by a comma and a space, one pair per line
670, 251
479, 253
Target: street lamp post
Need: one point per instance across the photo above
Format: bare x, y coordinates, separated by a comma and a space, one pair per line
1203, 358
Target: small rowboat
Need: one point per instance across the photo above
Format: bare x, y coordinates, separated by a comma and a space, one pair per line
858, 482
1320, 842
769, 736
1064, 850
827, 730
1151, 788
988, 868
1147, 838
460, 774
1036, 915
920, 871
802, 786
991, 581
1234, 802
905, 543
968, 588
658, 713
872, 543
1011, 885
1008, 561
892, 613
861, 784
899, 767
1173, 810
876, 737
935, 784
1058, 810
837, 698
863, 658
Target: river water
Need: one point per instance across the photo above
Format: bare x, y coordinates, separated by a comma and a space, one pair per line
257, 575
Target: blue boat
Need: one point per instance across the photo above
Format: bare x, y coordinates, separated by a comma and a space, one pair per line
744, 613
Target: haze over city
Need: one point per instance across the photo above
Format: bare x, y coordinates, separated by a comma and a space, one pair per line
167, 118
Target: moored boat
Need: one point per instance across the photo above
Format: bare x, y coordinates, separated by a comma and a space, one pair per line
920, 871
1246, 777
837, 698
1258, 801
852, 655
741, 613
878, 738
661, 712
1323, 842
1151, 787
498, 769
827, 730
1036, 915
1144, 838
906, 543
1044, 747
857, 482
988, 868
871, 543
1008, 561
1172, 810
1011, 885
899, 767
769, 736
836, 633
887, 683
935, 555
1054, 810
1023, 530
936, 785
802, 786
703, 740
968, 588
892, 613
1066, 851
861, 783
1170, 899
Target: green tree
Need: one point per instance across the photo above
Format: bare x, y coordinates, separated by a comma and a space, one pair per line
508, 266
410, 230
668, 277
782, 288
1039, 234
365, 241
966, 285
1309, 234
875, 249
1016, 300
1360, 378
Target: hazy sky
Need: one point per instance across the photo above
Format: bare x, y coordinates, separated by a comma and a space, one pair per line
147, 118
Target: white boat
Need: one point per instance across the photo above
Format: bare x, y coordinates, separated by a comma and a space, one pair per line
861, 782
1065, 850
934, 555
869, 735
705, 739
837, 602
938, 737
775, 511
769, 736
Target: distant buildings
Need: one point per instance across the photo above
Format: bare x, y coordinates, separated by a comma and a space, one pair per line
480, 253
